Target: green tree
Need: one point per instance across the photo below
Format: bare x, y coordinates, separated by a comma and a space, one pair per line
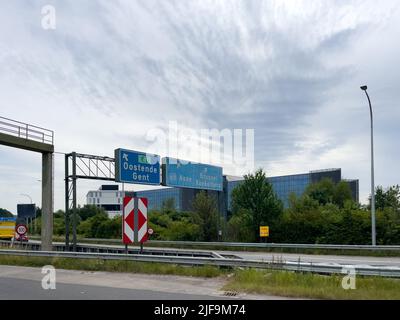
322, 191
256, 196
388, 226
183, 230
240, 227
59, 223
94, 227
168, 205
389, 198
205, 209
88, 211
326, 191
38, 212
341, 193
302, 222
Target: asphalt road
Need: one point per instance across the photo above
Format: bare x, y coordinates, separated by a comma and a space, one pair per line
334, 259
25, 283
295, 257
18, 289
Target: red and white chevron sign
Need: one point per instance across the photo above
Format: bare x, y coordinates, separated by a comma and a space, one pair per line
134, 222
142, 219
128, 220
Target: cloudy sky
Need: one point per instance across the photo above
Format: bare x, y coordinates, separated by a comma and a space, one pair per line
112, 71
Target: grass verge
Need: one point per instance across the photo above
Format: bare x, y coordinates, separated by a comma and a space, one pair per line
279, 283
306, 285
113, 266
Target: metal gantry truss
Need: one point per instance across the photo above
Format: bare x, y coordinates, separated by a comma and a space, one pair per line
82, 166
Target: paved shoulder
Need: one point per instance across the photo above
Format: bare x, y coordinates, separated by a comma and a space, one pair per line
26, 283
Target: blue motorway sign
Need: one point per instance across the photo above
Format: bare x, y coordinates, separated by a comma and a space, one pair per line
184, 174
136, 167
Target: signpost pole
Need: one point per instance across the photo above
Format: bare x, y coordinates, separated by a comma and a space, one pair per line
74, 199
122, 206
66, 203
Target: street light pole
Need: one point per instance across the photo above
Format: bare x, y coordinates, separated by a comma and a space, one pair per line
364, 88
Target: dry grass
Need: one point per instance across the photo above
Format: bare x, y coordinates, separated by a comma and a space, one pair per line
112, 266
291, 284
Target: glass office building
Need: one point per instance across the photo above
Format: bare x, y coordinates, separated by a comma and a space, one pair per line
296, 183
183, 197
285, 185
157, 197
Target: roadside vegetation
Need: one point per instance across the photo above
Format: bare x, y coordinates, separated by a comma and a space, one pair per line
279, 283
313, 286
4, 213
112, 266
324, 214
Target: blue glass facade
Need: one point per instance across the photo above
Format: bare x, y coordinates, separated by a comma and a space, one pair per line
297, 184
229, 188
157, 197
285, 185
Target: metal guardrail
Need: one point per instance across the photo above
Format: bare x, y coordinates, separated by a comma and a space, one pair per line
26, 131
262, 245
93, 248
225, 262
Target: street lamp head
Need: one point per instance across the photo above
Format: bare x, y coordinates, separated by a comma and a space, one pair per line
364, 88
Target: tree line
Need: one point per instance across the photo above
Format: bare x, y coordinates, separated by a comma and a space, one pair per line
324, 213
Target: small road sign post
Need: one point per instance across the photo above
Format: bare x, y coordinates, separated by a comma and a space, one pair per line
128, 221
21, 230
264, 233
142, 233
134, 222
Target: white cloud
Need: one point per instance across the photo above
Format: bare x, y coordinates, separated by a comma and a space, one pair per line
111, 71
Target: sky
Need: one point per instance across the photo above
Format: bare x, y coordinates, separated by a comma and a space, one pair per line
112, 72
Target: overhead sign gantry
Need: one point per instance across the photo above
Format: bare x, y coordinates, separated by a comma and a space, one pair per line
134, 167
25, 136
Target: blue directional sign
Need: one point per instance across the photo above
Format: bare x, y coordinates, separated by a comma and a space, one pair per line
184, 174
137, 167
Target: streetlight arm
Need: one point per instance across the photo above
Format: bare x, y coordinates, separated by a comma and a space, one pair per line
370, 107
26, 195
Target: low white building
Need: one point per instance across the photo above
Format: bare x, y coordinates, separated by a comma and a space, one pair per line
108, 197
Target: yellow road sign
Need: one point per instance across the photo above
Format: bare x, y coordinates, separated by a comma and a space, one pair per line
264, 231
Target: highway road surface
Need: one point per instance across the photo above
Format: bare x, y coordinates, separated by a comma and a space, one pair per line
333, 259
293, 257
25, 283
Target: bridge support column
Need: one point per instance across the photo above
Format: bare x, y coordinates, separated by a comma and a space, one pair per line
47, 201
